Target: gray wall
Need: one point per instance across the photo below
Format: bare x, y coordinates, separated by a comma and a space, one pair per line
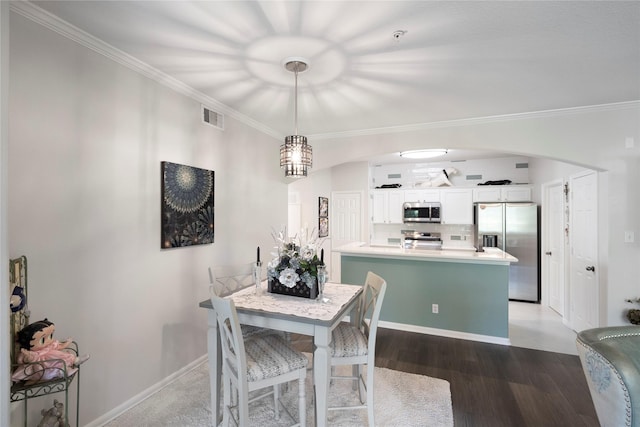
86, 140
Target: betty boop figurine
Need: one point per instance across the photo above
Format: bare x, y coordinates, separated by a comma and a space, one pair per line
41, 357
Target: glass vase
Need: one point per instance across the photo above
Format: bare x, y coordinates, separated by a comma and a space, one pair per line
257, 276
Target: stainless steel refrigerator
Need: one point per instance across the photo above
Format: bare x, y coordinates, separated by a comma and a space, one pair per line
513, 227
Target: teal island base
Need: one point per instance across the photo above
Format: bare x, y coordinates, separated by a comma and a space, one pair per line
472, 299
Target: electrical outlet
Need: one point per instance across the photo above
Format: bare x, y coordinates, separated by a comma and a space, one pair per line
434, 308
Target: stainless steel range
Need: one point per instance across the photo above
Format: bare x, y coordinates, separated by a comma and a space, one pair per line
421, 240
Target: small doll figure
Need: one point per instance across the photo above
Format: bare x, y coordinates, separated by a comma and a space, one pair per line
41, 357
54, 417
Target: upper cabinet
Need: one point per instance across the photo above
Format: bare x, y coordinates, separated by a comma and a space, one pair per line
386, 206
431, 195
502, 193
457, 206
457, 202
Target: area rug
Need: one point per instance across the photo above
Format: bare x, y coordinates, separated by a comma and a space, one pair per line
401, 399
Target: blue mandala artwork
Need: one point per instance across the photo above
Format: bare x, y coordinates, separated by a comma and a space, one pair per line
187, 205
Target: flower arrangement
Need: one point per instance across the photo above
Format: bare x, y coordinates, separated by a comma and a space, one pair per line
295, 263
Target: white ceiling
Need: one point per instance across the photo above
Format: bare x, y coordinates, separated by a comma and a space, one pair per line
458, 59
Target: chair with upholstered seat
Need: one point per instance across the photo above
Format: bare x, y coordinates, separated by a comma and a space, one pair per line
265, 361
354, 343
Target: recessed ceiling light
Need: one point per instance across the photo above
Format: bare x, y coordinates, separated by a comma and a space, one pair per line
423, 154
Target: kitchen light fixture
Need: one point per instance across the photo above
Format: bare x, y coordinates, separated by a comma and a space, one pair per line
295, 155
423, 154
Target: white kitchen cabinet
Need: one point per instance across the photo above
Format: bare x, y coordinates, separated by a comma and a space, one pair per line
431, 195
508, 193
457, 206
386, 206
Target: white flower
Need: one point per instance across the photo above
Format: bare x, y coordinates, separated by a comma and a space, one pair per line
289, 277
308, 252
273, 263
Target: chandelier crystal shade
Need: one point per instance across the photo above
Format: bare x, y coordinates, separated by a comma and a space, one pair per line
296, 156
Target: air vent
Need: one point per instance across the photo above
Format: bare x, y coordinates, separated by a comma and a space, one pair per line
522, 165
212, 118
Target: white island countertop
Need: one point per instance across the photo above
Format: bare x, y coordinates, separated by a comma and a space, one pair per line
489, 256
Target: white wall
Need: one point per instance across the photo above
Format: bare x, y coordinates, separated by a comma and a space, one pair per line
468, 173
4, 183
317, 184
86, 140
594, 137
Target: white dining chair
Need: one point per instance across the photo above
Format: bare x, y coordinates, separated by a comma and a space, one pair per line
355, 343
227, 279
257, 363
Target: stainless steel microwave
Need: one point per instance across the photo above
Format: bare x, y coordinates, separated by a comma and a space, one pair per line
420, 212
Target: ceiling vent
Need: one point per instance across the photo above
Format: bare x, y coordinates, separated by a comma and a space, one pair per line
212, 118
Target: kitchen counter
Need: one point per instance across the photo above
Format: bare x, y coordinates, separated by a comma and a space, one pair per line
450, 292
489, 256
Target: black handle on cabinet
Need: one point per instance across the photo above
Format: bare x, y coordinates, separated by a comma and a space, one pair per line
548, 253
591, 268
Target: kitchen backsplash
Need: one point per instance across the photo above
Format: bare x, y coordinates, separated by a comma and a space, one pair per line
453, 236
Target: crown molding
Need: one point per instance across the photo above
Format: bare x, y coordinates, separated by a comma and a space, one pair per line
54, 23
480, 120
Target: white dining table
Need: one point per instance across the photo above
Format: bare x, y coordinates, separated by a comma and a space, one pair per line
316, 318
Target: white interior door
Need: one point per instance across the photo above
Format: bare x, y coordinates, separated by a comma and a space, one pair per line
553, 246
346, 219
583, 234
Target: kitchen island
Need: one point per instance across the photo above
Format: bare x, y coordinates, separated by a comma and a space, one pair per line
455, 293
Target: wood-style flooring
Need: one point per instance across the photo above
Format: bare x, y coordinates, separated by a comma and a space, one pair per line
495, 385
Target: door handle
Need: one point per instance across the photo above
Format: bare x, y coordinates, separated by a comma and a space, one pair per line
591, 268
548, 253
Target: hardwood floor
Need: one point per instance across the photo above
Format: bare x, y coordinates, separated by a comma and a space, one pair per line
493, 385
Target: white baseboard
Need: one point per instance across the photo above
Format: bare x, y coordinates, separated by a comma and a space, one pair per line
444, 333
119, 410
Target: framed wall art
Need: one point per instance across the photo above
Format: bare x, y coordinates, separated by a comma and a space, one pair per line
323, 216
323, 227
323, 207
187, 206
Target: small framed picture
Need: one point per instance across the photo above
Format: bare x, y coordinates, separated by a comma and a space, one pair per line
323, 207
323, 227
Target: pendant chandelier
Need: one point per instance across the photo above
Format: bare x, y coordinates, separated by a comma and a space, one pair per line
296, 156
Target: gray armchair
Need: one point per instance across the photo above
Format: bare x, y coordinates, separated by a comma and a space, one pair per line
610, 359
